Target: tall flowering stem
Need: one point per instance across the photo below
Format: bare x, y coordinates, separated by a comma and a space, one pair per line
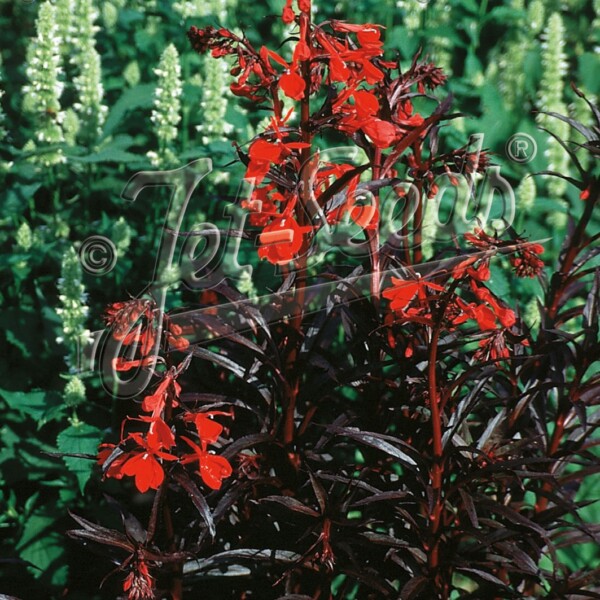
166, 113
154, 450
305, 195
359, 95
41, 96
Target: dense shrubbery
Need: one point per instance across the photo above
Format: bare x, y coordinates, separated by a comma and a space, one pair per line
435, 438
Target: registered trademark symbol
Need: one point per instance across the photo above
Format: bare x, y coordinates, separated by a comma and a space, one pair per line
521, 148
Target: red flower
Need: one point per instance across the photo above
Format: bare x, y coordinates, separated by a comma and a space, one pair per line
122, 316
505, 315
492, 348
175, 337
155, 403
288, 14
292, 85
366, 103
281, 240
404, 291
113, 469
142, 463
121, 364
484, 315
208, 429
262, 205
262, 154
146, 470
212, 468
301, 52
480, 239
352, 27
382, 133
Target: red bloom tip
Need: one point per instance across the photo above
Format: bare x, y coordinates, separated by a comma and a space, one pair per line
288, 14
139, 584
527, 263
585, 194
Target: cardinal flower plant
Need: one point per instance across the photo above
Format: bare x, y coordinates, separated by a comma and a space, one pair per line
415, 437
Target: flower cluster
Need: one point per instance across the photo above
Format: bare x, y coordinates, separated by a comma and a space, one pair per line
73, 311
419, 299
143, 454
368, 99
41, 96
139, 584
166, 114
88, 82
551, 98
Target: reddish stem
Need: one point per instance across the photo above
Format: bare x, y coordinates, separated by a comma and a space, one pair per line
305, 156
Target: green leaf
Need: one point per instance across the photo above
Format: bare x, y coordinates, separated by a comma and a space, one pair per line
499, 283
21, 327
43, 546
140, 96
588, 67
41, 406
79, 438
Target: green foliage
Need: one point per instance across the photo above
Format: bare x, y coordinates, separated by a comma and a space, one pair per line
80, 439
